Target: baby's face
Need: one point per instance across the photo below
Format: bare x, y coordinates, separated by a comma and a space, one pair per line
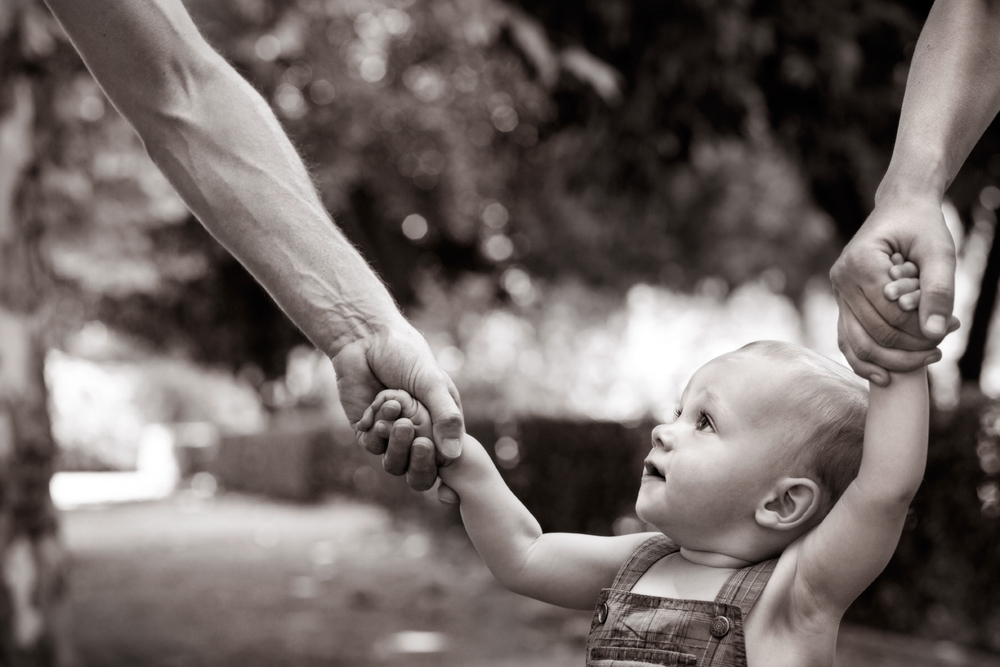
710, 467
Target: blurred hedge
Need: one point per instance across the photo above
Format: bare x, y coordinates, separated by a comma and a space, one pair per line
943, 580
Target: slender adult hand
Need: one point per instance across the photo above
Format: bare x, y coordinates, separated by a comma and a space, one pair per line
874, 333
398, 357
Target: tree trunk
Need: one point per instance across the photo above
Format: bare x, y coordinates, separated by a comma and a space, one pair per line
971, 364
32, 629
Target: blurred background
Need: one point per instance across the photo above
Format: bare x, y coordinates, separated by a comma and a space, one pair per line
578, 203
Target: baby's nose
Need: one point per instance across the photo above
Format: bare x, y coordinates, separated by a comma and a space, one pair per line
662, 437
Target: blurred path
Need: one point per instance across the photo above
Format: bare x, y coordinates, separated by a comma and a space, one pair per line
233, 580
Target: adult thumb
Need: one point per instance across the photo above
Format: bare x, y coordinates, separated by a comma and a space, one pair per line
937, 291
446, 418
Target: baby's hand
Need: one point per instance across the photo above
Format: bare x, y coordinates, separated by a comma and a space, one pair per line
396, 415
904, 288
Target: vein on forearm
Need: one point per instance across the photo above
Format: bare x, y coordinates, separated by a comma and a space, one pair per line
244, 181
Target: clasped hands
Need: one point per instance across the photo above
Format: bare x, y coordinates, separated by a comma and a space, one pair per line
876, 334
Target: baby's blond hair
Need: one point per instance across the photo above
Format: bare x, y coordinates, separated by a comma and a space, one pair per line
827, 410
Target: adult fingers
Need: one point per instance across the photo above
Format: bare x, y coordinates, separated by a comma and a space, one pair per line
937, 286
865, 369
447, 495
422, 471
878, 331
869, 352
397, 452
371, 441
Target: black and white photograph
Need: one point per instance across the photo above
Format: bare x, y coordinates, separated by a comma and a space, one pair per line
499, 333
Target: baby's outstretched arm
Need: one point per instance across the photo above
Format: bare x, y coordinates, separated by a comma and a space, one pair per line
560, 568
852, 545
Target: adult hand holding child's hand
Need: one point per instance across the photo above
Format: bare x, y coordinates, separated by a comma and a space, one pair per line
406, 424
401, 359
874, 334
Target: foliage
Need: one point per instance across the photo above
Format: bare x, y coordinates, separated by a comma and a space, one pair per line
618, 142
510, 148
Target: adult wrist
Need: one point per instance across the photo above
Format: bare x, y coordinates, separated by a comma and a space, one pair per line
917, 174
369, 327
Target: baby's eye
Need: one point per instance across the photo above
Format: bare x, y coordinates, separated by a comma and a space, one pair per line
677, 413
704, 423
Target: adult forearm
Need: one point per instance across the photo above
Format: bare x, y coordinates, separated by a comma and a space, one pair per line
952, 95
225, 153
230, 161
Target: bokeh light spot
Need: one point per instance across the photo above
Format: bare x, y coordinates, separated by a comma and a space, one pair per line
415, 227
92, 108
508, 452
495, 215
990, 197
396, 21
289, 99
322, 92
498, 248
368, 26
504, 118
267, 48
372, 68
299, 74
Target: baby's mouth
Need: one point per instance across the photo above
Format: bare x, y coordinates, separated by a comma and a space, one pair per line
651, 470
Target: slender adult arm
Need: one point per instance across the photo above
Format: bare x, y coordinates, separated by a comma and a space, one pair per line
225, 153
565, 569
838, 559
952, 95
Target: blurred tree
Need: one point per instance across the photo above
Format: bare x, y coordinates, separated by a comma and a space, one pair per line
31, 590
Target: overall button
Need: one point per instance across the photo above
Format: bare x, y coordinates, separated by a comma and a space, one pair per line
720, 626
602, 612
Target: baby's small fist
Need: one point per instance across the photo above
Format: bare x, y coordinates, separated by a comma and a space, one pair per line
904, 288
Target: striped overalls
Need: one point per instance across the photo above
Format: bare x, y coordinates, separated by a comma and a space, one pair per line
631, 630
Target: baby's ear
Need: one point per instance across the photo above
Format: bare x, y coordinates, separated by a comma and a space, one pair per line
791, 504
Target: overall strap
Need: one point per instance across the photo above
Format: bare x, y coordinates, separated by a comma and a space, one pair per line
640, 560
744, 586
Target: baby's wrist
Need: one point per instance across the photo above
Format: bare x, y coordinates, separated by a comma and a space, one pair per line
471, 466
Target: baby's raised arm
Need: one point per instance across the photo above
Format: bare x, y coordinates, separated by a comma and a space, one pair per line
853, 544
560, 568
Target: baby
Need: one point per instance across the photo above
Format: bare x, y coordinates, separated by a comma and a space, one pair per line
778, 494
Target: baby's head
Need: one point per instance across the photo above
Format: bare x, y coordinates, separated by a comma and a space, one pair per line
765, 441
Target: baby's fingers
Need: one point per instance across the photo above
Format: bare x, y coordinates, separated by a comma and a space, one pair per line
909, 301
904, 270
898, 288
387, 413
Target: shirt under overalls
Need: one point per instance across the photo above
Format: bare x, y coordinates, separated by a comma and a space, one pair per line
632, 630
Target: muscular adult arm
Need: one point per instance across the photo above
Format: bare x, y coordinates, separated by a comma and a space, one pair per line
223, 150
952, 95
